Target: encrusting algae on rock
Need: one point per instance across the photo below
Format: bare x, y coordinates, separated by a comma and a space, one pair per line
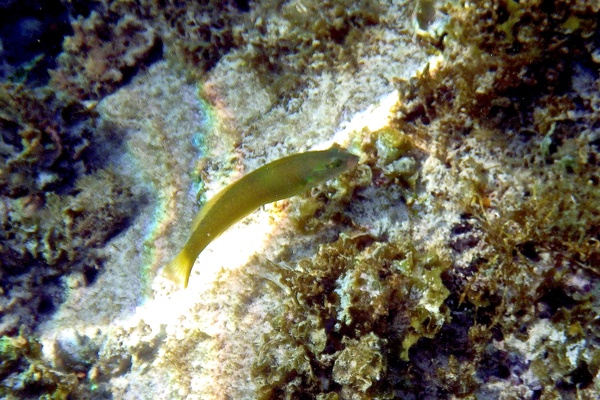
459, 259
274, 181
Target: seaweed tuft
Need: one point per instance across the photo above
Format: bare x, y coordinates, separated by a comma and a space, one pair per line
358, 306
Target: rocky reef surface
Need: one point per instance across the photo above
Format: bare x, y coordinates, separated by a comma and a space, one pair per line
459, 259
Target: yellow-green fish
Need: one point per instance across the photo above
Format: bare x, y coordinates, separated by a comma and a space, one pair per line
280, 179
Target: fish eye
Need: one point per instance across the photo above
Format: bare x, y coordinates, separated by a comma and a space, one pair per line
335, 163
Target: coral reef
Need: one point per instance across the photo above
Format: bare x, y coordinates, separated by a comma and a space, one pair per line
357, 308
43, 241
24, 375
198, 34
459, 259
529, 228
45, 141
279, 41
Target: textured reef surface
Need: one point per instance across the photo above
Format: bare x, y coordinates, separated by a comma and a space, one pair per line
459, 259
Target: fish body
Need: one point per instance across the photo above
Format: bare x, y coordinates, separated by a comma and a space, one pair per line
280, 179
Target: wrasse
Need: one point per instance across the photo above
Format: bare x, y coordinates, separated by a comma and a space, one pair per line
280, 179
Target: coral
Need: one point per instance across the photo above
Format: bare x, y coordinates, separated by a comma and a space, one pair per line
55, 213
458, 260
59, 201
117, 39
494, 73
25, 374
60, 237
198, 34
511, 293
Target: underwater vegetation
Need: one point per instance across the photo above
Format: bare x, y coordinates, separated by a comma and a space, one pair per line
20, 357
26, 374
61, 199
285, 40
60, 203
350, 317
58, 198
508, 304
103, 54
89, 49
45, 141
523, 84
113, 40
493, 150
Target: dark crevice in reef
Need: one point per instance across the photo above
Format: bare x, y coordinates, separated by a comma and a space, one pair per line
32, 34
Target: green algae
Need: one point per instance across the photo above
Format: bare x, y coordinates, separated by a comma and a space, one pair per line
359, 365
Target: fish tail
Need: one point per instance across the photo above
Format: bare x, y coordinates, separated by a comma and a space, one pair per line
179, 269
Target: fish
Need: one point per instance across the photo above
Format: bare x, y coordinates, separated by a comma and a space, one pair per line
277, 180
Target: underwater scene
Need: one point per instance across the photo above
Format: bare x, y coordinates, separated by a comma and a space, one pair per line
300, 199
